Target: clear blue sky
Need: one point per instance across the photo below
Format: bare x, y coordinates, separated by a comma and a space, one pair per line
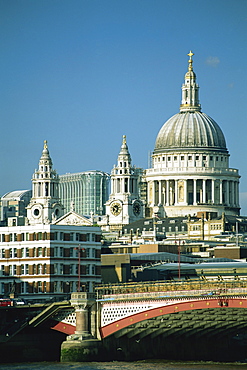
81, 73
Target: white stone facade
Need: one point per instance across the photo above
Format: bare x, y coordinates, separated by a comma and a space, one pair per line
43, 259
190, 172
124, 205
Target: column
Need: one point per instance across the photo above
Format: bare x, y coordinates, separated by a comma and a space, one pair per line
194, 192
81, 302
227, 192
204, 191
213, 191
176, 191
237, 193
221, 197
160, 192
153, 192
167, 192
185, 192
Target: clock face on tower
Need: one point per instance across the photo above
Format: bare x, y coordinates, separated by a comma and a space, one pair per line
116, 208
136, 208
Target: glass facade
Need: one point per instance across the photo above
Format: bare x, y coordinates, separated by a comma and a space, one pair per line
88, 191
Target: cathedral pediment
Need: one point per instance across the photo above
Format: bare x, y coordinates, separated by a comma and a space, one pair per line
73, 218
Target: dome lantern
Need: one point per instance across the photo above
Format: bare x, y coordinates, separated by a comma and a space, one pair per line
190, 90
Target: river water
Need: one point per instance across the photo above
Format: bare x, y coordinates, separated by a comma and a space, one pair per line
138, 365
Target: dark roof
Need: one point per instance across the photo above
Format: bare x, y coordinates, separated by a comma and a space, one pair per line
171, 257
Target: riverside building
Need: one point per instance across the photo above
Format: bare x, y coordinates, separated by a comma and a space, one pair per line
54, 253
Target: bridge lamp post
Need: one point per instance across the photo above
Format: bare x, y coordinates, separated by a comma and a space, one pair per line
79, 249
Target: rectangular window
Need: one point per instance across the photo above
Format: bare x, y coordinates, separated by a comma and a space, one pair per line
190, 157
168, 158
175, 158
71, 237
39, 286
88, 252
55, 286
204, 158
182, 157
197, 157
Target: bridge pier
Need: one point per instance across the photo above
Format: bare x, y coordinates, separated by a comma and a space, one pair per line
81, 346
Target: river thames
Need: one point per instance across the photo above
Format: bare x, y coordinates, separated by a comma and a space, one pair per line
138, 365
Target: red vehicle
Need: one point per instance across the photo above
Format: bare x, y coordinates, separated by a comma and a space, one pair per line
5, 302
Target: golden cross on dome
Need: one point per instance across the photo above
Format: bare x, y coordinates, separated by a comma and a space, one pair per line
190, 54
124, 139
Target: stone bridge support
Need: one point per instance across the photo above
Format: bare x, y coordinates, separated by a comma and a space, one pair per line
81, 346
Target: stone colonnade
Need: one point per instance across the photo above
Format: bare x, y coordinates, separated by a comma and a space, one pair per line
193, 191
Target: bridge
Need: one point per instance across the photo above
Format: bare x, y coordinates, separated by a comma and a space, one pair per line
179, 320
175, 317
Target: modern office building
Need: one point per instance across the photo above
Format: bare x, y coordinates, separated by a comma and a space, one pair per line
13, 204
87, 191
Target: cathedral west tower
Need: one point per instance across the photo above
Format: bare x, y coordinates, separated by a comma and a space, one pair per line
124, 205
190, 172
44, 206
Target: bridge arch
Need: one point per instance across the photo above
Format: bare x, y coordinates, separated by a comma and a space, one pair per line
202, 303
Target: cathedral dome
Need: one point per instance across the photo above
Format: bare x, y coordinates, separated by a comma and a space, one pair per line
190, 130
